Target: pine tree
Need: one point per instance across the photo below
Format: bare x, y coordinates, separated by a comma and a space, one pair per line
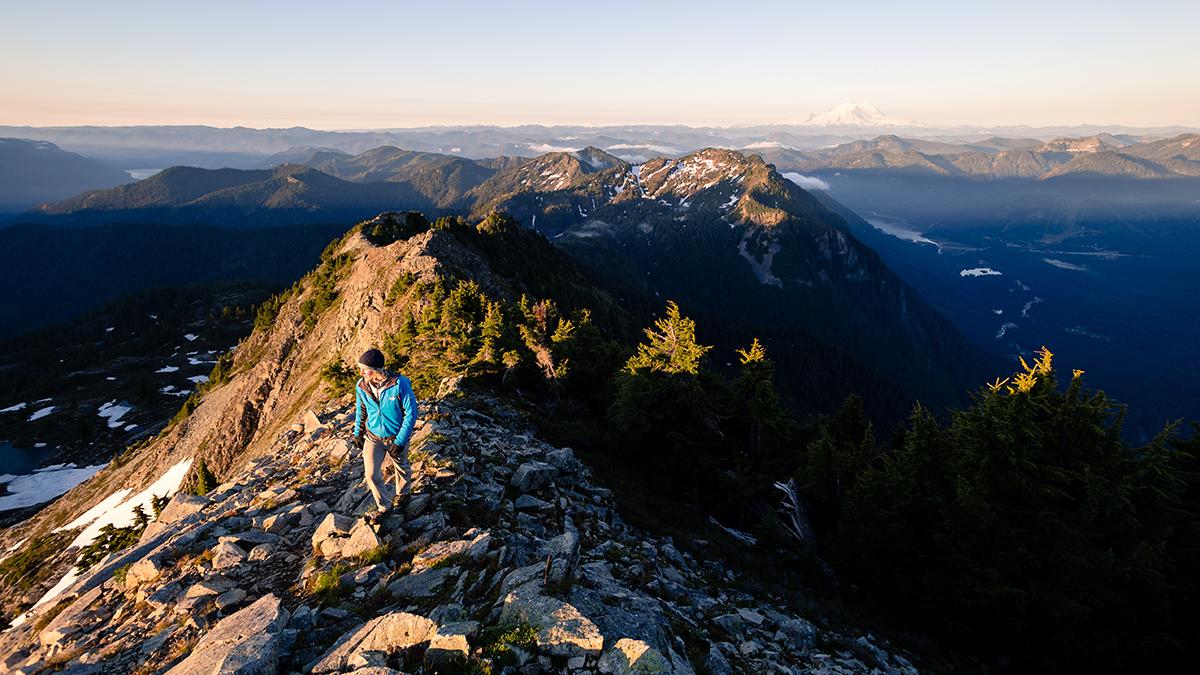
670, 346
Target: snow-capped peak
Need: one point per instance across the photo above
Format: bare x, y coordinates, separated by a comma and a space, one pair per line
856, 115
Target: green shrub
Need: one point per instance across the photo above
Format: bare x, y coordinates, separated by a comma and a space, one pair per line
21, 569
327, 586
388, 228
264, 318
110, 540
496, 641
339, 378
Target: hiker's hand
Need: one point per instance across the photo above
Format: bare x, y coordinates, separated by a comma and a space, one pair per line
358, 443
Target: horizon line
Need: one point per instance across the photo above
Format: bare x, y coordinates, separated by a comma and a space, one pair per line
814, 128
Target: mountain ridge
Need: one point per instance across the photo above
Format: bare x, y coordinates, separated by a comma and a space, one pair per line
492, 503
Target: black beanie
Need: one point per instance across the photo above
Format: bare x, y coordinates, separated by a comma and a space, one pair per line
372, 358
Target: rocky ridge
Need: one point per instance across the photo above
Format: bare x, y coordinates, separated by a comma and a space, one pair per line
507, 557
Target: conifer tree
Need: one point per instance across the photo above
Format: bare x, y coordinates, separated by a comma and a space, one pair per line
670, 346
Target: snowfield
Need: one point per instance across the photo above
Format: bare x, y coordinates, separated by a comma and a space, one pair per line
43, 485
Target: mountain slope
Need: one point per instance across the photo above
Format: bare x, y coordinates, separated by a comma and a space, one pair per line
289, 193
738, 244
505, 534
32, 172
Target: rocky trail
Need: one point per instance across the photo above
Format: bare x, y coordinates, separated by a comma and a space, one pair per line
506, 558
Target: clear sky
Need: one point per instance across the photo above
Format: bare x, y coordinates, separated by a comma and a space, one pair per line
348, 64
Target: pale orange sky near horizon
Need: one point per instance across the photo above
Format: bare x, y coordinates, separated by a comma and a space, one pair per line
385, 64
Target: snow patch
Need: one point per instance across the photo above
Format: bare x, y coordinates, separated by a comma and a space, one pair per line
167, 369
190, 337
42, 413
979, 272
14, 408
199, 379
1029, 305
114, 412
1062, 264
120, 511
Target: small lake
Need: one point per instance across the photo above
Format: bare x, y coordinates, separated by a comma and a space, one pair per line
17, 461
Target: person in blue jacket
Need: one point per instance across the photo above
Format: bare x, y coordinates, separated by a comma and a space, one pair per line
385, 412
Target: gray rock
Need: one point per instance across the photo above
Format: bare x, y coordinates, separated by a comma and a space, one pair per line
424, 584
246, 642
388, 633
437, 553
732, 623
312, 423
715, 662
146, 569
627, 657
798, 633
564, 557
368, 575
562, 631
563, 459
181, 506
362, 539
427, 523
231, 598
226, 555
252, 537
334, 525
340, 449
162, 597
203, 588
450, 645
751, 617
303, 618
261, 552
531, 476
531, 503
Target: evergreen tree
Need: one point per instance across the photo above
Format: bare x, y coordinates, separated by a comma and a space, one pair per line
1027, 524
670, 346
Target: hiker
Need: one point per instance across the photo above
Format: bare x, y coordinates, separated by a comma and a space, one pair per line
385, 412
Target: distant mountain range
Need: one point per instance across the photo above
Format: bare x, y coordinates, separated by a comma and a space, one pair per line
147, 148
32, 172
1098, 155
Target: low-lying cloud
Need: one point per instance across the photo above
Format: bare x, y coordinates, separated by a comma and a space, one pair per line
807, 182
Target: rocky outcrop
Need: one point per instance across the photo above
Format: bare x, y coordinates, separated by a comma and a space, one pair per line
469, 574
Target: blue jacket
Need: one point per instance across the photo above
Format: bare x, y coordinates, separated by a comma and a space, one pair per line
392, 415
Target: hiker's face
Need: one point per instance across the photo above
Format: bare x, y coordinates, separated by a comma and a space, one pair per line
374, 376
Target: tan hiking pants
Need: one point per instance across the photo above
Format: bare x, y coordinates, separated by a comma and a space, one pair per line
375, 453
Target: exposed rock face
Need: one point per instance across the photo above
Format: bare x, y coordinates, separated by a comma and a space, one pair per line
443, 587
387, 634
247, 642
